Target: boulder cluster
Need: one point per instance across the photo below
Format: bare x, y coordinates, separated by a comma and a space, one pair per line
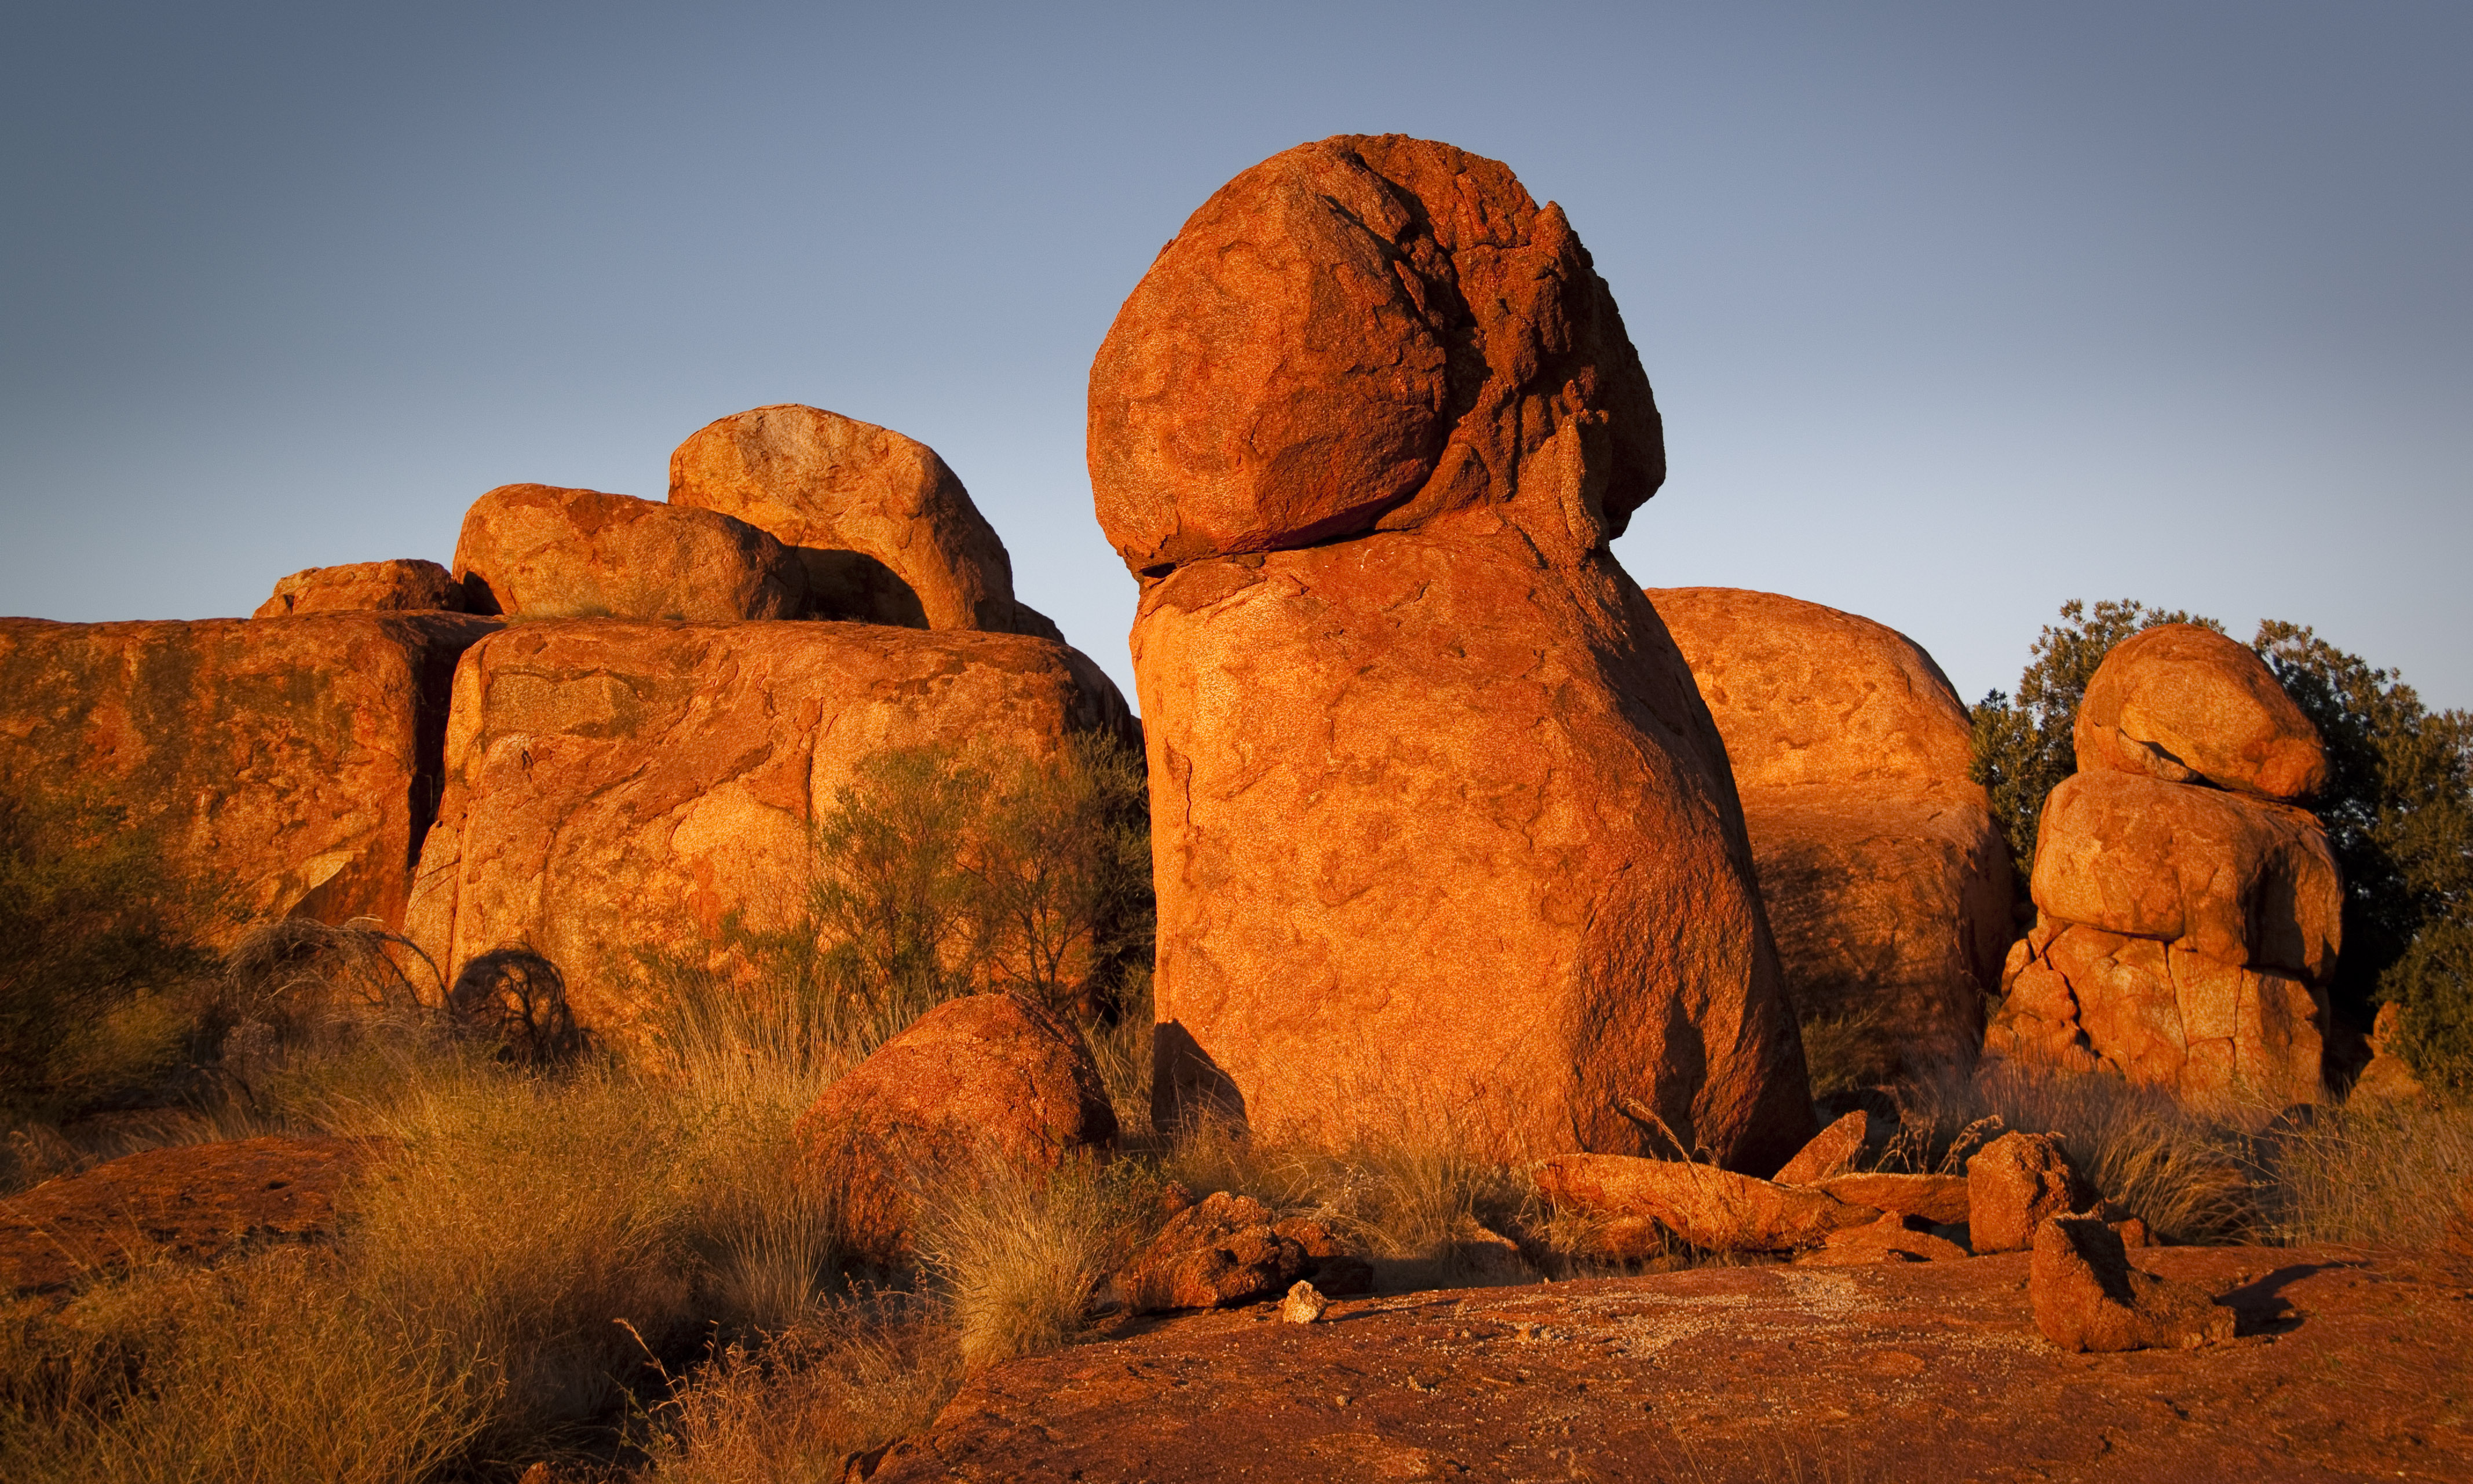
2189, 910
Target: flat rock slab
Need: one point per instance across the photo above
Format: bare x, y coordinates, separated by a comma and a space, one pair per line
2346, 1366
192, 1204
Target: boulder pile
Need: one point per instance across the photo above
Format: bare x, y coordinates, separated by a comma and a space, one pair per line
2189, 911
1442, 831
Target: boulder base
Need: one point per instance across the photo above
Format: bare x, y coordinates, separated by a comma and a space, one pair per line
536, 551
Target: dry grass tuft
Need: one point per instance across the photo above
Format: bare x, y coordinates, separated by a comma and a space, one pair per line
2369, 1173
1017, 1256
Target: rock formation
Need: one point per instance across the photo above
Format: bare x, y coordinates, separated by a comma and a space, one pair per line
534, 551
614, 786
2016, 1182
884, 530
2087, 1297
983, 1078
1443, 833
1886, 878
401, 585
289, 764
2189, 911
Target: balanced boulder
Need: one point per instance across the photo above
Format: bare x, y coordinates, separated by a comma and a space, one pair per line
886, 532
984, 1080
622, 786
402, 585
1442, 832
1886, 878
534, 551
2188, 705
285, 767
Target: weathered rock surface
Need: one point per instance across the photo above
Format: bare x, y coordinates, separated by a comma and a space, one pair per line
1714, 1209
536, 551
1224, 1250
401, 585
1886, 878
2187, 704
615, 785
1893, 1238
979, 1080
195, 1202
2087, 1297
886, 532
2014, 1185
287, 763
1941, 1200
1831, 1151
1904, 1371
2242, 881
1442, 830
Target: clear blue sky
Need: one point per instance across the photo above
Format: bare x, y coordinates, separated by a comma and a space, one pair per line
1954, 311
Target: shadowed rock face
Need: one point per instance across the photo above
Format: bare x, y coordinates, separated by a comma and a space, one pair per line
536, 551
615, 785
290, 762
1886, 878
1442, 831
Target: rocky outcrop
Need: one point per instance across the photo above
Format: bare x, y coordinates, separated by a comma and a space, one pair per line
2185, 931
534, 551
1442, 830
987, 1078
615, 786
2015, 1183
284, 766
2087, 1297
401, 585
1885, 878
886, 532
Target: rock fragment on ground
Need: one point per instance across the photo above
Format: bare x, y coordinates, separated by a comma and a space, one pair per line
2015, 1183
1831, 1152
1222, 1251
2087, 1297
1708, 1207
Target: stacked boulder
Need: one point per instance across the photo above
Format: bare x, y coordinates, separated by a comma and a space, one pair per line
1442, 831
1886, 876
2189, 911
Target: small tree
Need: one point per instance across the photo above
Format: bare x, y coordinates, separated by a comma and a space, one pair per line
1062, 877
891, 900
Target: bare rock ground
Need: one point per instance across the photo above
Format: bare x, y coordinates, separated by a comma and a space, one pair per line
2346, 1365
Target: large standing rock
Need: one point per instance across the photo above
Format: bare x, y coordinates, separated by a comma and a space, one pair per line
984, 1078
1442, 830
2187, 704
1886, 878
614, 786
885, 531
534, 551
405, 585
290, 764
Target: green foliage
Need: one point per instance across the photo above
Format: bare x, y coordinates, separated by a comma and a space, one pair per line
1061, 879
2022, 745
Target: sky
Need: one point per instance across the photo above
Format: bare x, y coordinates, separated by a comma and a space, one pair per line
1955, 312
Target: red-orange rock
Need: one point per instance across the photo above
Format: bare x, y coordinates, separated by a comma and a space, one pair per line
2087, 1297
536, 551
1442, 831
885, 531
2187, 704
1831, 1151
289, 763
2238, 1038
197, 1203
984, 1078
2242, 881
1938, 1199
1221, 1252
2013, 1184
615, 785
1893, 1238
1709, 1207
401, 585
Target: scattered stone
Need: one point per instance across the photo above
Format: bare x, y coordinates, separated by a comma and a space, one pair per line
401, 585
1830, 1153
1893, 1238
1709, 1207
984, 1078
2087, 1297
1941, 1200
1886, 878
2014, 1185
1538, 903
2188, 706
1303, 1304
536, 551
1221, 1252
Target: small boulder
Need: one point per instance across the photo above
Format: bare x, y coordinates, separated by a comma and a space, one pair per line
1221, 1252
2087, 1297
1831, 1152
1938, 1199
1893, 1238
2188, 705
2015, 1183
534, 551
1303, 1304
981, 1078
1712, 1209
398, 586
